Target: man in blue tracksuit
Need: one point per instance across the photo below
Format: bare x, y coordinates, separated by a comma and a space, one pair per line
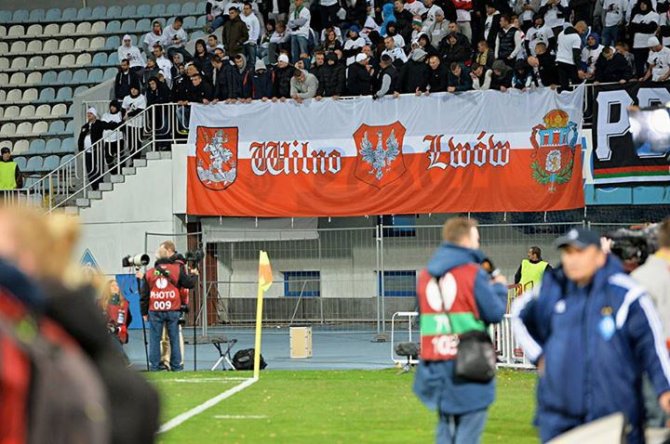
592, 332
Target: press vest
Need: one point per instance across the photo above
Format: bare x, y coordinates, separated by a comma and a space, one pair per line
532, 273
164, 294
506, 42
118, 313
448, 308
7, 175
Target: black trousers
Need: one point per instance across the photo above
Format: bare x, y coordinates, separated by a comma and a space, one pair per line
641, 55
114, 151
93, 172
566, 73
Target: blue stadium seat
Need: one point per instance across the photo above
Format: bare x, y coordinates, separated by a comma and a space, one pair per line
110, 73
69, 15
34, 164
37, 15
188, 8
100, 59
95, 76
84, 14
128, 26
64, 77
53, 15
113, 59
20, 16
114, 11
80, 89
37, 146
173, 9
189, 22
57, 127
99, 12
64, 94
51, 163
113, 42
65, 159
69, 128
158, 10
68, 145
20, 162
144, 25
200, 34
53, 146
5, 16
200, 8
130, 11
49, 78
80, 76
202, 20
113, 27
47, 95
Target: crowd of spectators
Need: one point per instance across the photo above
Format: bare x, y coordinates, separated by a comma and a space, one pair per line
290, 49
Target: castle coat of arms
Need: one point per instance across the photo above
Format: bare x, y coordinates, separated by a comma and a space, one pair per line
554, 149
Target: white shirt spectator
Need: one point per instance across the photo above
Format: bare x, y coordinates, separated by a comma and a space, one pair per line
430, 17
132, 54
399, 41
165, 65
553, 17
639, 39
219, 7
338, 34
589, 56
150, 39
538, 35
253, 25
566, 43
416, 7
169, 37
614, 11
488, 23
631, 5
131, 104
353, 44
664, 20
298, 23
396, 54
278, 38
660, 61
110, 136
437, 32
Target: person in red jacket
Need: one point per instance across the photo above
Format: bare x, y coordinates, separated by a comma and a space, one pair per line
161, 301
116, 309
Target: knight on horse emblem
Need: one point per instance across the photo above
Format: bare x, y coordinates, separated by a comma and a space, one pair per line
216, 152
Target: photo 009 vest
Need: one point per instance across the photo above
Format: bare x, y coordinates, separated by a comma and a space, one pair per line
164, 294
447, 309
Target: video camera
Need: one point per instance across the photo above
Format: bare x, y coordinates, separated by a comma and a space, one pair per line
194, 257
138, 260
634, 245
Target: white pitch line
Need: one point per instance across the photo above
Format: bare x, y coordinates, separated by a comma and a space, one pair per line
240, 417
198, 381
178, 420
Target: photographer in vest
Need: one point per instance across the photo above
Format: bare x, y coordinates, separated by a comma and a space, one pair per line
161, 302
456, 297
530, 272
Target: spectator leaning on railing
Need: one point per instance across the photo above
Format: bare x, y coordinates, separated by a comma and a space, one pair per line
10, 175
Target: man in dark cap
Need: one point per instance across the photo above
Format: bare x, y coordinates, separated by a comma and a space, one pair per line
592, 331
10, 175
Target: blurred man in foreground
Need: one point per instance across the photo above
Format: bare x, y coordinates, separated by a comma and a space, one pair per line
456, 297
592, 331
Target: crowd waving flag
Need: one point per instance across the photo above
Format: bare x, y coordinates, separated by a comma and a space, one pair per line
475, 151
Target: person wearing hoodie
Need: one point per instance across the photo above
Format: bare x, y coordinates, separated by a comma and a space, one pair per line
414, 74
455, 48
388, 16
476, 300
239, 80
438, 30
458, 79
125, 79
261, 82
501, 79
353, 45
131, 53
568, 57
523, 77
612, 67
590, 54
643, 25
586, 319
359, 77
331, 77
113, 139
481, 77
202, 59
283, 73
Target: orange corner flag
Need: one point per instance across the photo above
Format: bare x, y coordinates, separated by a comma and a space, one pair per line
264, 272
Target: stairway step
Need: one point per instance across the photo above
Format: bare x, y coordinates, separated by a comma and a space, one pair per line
106, 186
140, 163
130, 171
117, 178
94, 195
83, 202
71, 210
153, 155
166, 155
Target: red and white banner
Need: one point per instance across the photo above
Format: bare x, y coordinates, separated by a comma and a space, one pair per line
471, 152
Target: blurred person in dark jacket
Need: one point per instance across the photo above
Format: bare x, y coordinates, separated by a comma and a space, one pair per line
283, 73
220, 78
523, 77
202, 58
414, 74
458, 79
359, 78
157, 92
455, 48
612, 67
261, 82
332, 78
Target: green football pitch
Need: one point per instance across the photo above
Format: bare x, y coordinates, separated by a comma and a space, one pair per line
323, 407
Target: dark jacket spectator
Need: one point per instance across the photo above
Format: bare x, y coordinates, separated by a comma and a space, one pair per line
239, 80
220, 78
181, 86
414, 73
10, 175
331, 77
125, 78
202, 59
201, 91
357, 11
386, 79
458, 79
502, 76
403, 23
261, 82
424, 43
612, 67
455, 48
485, 56
282, 5
523, 76
359, 80
234, 33
546, 67
282, 78
157, 92
437, 75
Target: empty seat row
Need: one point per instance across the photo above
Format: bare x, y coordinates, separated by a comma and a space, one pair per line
39, 62
11, 129
101, 12
48, 94
47, 112
40, 146
40, 164
20, 47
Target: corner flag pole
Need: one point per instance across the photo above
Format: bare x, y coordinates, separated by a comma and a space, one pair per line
264, 283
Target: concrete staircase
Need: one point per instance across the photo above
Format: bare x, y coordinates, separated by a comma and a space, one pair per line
109, 181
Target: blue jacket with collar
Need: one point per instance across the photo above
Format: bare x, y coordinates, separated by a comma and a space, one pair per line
596, 342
